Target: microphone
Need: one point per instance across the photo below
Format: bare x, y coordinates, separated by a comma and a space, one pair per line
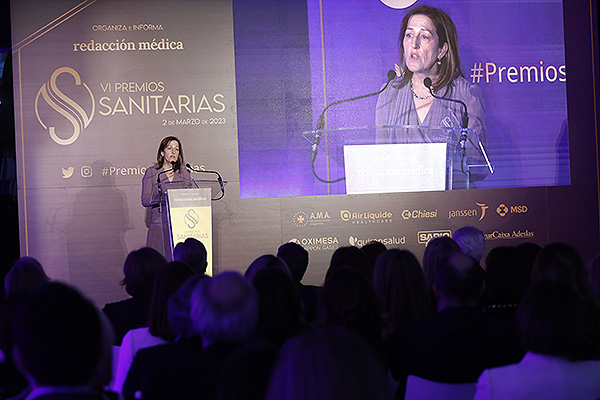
204, 171
465, 118
321, 121
165, 171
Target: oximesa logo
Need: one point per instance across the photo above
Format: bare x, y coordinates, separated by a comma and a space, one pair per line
62, 103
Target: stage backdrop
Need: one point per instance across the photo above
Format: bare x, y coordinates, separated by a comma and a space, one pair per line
99, 83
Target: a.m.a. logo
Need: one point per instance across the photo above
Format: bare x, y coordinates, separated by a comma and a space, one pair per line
64, 106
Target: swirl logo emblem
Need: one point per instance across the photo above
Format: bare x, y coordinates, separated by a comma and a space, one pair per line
65, 105
191, 218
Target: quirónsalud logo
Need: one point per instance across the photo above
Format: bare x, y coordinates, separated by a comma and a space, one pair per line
69, 103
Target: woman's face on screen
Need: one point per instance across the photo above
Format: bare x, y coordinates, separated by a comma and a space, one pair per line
421, 46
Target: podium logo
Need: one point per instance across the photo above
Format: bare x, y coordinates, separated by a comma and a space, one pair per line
191, 218
76, 117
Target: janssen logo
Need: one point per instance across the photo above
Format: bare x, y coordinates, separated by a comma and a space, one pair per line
470, 212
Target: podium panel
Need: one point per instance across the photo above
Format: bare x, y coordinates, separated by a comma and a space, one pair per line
190, 216
388, 168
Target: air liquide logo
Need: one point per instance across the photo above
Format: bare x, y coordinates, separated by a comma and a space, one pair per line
69, 106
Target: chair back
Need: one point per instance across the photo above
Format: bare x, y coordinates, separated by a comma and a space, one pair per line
422, 389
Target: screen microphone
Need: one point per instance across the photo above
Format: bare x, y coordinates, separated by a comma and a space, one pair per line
321, 121
465, 117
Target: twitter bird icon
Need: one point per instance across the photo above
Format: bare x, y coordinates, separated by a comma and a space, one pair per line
68, 172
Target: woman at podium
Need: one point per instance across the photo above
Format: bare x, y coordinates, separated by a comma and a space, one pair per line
429, 56
169, 172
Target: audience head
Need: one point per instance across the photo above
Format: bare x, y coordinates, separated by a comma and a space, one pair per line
296, 258
224, 308
280, 305
594, 275
169, 279
193, 253
471, 241
245, 375
507, 275
553, 320
140, 269
26, 275
373, 250
327, 364
436, 249
400, 286
179, 306
352, 257
348, 300
531, 251
267, 261
458, 279
560, 262
58, 338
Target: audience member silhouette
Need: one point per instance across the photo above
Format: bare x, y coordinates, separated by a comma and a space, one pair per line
471, 241
348, 300
352, 257
266, 261
280, 306
60, 345
193, 253
506, 279
399, 284
562, 263
139, 271
531, 251
245, 375
27, 274
553, 325
373, 250
594, 276
437, 249
11, 381
459, 342
224, 314
328, 364
186, 340
168, 280
296, 258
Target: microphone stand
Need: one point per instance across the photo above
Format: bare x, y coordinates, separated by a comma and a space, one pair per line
463, 134
321, 124
219, 179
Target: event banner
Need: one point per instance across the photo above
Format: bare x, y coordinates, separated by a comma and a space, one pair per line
98, 84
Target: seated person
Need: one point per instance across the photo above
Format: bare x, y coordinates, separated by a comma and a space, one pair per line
459, 342
552, 322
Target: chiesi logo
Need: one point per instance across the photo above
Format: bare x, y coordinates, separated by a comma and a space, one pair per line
67, 107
